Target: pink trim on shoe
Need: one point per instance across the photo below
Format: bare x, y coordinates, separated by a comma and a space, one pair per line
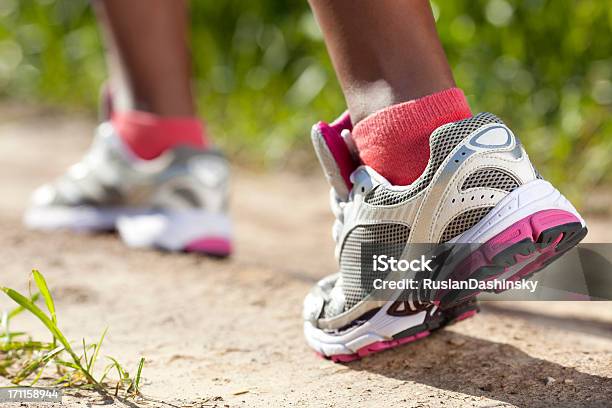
218, 246
377, 347
342, 122
530, 227
465, 315
388, 344
544, 220
332, 134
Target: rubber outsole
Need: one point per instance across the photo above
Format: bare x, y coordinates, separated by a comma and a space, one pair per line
219, 247
439, 320
204, 235
535, 242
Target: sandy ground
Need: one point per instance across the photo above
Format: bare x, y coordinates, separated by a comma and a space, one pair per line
228, 332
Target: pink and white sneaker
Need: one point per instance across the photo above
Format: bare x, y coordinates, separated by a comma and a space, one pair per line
176, 202
478, 189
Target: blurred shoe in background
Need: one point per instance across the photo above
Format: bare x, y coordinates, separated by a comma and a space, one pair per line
176, 201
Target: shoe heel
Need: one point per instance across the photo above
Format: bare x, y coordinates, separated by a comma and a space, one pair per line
189, 231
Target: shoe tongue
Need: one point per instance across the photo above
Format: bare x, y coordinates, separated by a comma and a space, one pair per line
334, 154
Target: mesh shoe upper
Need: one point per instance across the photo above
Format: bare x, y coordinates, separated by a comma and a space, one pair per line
109, 176
442, 142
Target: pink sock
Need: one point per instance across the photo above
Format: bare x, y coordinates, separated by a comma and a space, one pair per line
149, 135
395, 141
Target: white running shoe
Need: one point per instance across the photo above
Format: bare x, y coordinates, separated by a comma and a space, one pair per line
176, 202
479, 188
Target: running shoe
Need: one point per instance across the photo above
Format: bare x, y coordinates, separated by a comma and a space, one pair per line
479, 191
176, 202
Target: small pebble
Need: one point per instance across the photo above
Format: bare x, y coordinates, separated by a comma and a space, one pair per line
457, 341
549, 380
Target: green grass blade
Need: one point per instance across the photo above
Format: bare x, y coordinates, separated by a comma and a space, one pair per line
4, 324
45, 360
26, 371
106, 371
13, 334
44, 291
138, 374
68, 364
36, 311
6, 318
37, 364
75, 371
5, 331
120, 370
94, 357
62, 379
41, 283
19, 309
85, 353
25, 346
123, 375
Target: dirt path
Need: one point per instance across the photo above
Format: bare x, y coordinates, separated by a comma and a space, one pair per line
229, 332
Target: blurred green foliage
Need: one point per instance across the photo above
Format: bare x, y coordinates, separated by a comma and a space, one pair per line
263, 75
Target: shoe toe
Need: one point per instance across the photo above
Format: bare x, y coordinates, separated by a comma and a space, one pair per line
325, 299
43, 196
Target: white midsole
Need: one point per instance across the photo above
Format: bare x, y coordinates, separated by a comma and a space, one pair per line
381, 327
82, 218
171, 230
528, 199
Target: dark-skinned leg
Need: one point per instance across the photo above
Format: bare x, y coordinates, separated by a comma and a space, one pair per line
393, 71
385, 51
149, 64
148, 55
